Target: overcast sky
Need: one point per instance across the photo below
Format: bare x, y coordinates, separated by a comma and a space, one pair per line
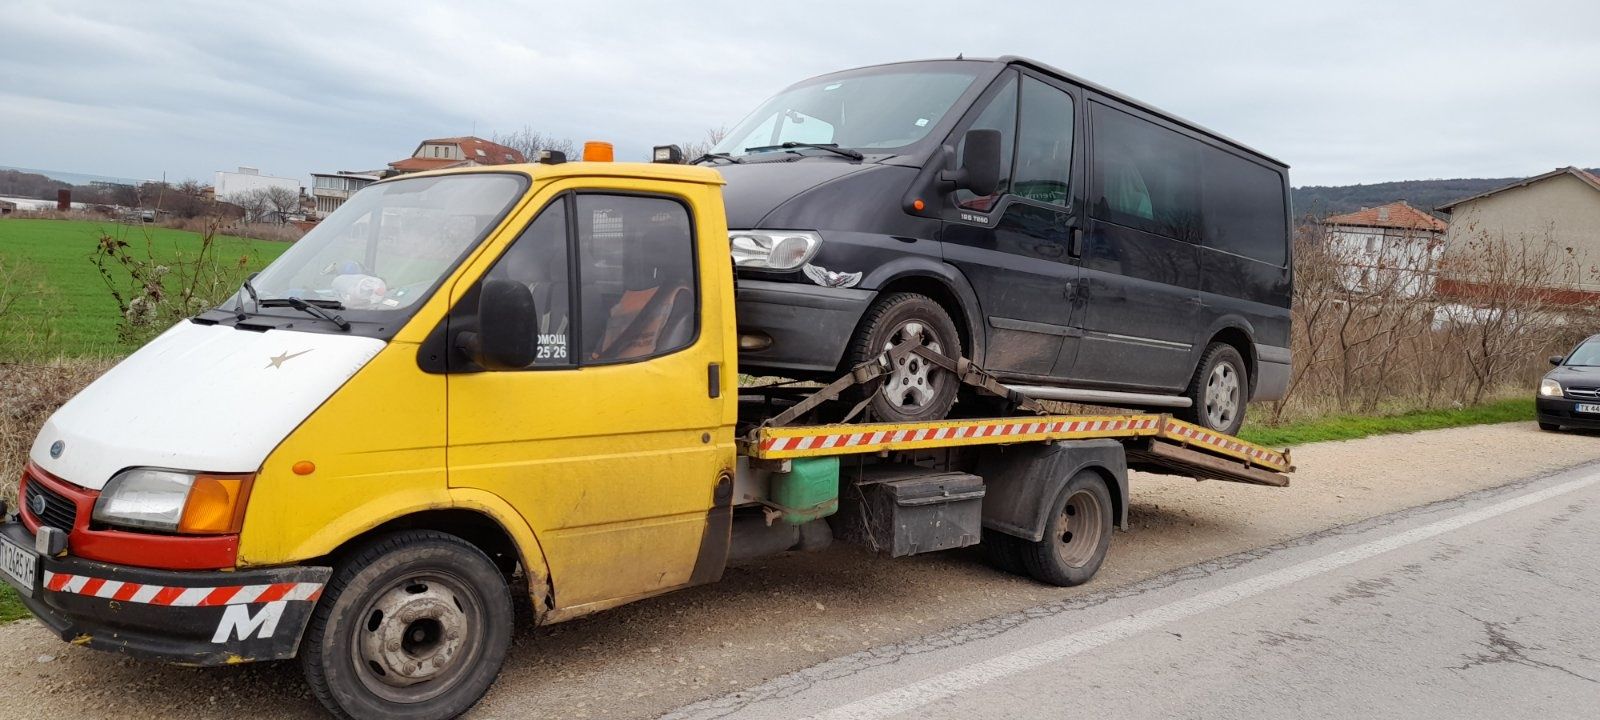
1343, 90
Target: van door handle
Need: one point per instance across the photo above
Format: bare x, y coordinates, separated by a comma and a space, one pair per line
714, 380
1075, 248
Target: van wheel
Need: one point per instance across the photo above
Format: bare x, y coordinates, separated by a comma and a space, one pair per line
1218, 391
916, 390
1076, 536
412, 625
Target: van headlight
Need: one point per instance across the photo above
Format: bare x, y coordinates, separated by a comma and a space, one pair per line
773, 249
1549, 388
174, 501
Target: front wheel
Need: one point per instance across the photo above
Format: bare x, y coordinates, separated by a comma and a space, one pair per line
412, 625
1218, 391
915, 389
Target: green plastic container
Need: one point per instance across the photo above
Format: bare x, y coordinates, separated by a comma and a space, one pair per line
810, 490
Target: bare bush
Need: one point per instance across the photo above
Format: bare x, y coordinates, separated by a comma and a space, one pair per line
697, 148
159, 292
529, 142
28, 395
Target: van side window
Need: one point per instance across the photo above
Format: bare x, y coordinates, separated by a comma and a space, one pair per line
1143, 175
538, 259
1044, 144
1244, 207
636, 277
1001, 114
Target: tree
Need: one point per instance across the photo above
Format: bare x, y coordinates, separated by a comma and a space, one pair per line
529, 142
255, 204
696, 148
283, 202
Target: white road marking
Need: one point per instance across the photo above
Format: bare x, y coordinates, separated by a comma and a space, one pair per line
918, 694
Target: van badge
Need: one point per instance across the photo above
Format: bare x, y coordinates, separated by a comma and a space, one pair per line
277, 361
56, 448
38, 505
828, 278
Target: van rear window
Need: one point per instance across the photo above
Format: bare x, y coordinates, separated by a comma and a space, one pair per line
1244, 207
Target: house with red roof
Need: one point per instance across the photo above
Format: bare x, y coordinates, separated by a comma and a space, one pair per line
1561, 206
438, 153
1392, 246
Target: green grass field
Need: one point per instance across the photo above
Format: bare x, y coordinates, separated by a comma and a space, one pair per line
76, 311
10, 607
1350, 427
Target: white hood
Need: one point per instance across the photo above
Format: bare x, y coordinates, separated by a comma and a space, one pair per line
200, 397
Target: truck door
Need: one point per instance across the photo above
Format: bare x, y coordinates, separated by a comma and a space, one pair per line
1015, 246
614, 440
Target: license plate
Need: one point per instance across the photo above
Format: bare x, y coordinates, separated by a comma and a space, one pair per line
1588, 408
20, 565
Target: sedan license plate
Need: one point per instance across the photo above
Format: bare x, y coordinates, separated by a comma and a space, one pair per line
1588, 408
20, 565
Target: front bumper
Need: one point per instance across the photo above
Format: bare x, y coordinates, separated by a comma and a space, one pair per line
1561, 411
184, 617
810, 326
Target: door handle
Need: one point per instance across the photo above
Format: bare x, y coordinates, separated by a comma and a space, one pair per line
1075, 246
714, 380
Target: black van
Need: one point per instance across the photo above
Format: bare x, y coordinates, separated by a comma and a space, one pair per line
1080, 245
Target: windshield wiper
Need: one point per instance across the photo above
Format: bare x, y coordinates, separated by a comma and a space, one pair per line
314, 308
830, 147
716, 156
238, 309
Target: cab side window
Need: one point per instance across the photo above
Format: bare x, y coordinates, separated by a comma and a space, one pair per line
636, 277
1044, 144
1000, 114
538, 259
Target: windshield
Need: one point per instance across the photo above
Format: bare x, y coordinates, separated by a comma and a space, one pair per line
874, 110
1587, 355
385, 249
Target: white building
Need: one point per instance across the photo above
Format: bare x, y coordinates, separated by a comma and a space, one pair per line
229, 184
1391, 246
330, 190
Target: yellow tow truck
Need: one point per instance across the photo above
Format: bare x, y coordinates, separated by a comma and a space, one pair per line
472, 384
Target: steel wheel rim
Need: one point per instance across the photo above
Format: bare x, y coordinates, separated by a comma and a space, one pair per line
1082, 521
913, 383
1222, 396
418, 638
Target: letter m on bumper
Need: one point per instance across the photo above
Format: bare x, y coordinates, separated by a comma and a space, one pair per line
238, 622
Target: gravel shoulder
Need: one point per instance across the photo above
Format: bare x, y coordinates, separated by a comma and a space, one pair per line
789, 612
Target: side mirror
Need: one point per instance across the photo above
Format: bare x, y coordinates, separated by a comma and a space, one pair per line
980, 163
1556, 360
506, 339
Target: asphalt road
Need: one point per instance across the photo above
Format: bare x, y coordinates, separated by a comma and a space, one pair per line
1487, 605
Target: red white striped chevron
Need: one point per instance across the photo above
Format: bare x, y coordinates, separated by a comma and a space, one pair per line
1195, 434
827, 441
173, 596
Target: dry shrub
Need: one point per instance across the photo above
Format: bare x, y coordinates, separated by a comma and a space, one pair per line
28, 395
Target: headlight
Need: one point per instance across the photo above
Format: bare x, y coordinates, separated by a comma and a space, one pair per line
1549, 388
174, 501
773, 249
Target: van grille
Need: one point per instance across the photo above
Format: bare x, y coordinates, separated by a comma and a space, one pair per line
59, 512
1583, 393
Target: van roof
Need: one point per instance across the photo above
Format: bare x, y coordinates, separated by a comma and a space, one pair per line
643, 171
1108, 92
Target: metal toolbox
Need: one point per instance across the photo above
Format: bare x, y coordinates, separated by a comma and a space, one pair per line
907, 514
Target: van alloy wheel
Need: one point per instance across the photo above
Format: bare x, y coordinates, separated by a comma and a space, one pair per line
914, 382
1222, 396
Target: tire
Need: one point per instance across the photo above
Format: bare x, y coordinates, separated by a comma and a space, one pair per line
1076, 535
916, 390
392, 606
1003, 552
1219, 390
1549, 427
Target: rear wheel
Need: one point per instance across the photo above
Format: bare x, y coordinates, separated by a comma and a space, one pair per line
412, 625
1218, 391
1549, 427
1076, 537
915, 389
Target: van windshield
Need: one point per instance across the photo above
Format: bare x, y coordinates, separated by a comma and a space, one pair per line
386, 248
872, 110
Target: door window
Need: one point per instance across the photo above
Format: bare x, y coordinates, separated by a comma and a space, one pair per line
1001, 114
636, 274
1044, 144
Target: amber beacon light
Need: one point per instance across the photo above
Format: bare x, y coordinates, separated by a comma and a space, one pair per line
597, 151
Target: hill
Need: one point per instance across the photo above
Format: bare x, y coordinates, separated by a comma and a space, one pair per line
1324, 200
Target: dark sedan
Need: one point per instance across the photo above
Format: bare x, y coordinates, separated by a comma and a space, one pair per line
1569, 395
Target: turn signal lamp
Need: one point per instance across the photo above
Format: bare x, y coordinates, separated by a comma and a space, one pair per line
216, 504
597, 151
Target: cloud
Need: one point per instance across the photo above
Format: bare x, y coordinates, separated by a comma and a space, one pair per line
1344, 92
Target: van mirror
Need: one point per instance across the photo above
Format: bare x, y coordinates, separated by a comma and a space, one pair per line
505, 339
980, 162
1556, 360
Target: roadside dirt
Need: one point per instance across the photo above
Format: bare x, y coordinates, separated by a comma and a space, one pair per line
789, 612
